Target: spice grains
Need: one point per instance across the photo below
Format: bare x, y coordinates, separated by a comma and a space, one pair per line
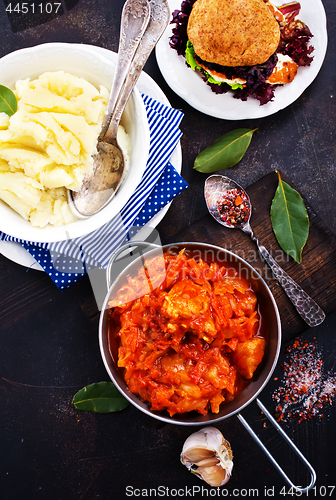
305, 388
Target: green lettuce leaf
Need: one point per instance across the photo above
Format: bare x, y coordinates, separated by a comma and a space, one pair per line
190, 58
189, 55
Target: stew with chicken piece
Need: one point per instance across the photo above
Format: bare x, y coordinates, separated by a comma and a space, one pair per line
191, 338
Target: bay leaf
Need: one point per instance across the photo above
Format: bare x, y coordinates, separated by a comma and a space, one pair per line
8, 103
290, 221
225, 152
101, 397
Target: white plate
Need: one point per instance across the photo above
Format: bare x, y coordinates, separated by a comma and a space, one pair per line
189, 85
16, 253
80, 60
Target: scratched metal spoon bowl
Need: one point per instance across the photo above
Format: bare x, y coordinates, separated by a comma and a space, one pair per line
216, 186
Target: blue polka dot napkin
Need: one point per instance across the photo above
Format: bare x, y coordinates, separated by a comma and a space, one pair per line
66, 261
169, 185
72, 270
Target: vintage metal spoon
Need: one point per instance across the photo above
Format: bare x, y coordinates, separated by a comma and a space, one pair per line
215, 187
159, 18
108, 163
96, 192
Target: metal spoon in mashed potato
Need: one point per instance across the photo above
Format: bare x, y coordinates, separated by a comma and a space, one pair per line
101, 185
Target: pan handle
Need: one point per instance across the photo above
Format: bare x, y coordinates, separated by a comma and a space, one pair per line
122, 249
288, 440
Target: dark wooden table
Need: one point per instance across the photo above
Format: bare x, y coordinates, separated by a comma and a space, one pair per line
49, 344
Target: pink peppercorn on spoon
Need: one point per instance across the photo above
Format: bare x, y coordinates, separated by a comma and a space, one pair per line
230, 205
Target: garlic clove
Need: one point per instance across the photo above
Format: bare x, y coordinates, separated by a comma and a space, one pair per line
208, 455
214, 475
197, 453
207, 462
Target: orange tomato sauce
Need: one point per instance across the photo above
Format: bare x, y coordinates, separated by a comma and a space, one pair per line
189, 333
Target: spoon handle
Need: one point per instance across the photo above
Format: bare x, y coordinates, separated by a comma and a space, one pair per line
134, 21
159, 18
304, 304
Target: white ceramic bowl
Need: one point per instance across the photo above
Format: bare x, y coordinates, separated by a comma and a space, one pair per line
80, 60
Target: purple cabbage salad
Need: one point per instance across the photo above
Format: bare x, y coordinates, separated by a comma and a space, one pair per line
294, 42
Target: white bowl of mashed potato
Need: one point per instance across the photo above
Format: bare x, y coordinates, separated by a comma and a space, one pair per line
46, 146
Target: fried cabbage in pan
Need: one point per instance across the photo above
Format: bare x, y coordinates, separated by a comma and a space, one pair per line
191, 340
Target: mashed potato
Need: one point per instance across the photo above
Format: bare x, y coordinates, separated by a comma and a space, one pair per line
46, 147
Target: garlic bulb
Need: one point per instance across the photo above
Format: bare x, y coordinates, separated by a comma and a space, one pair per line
208, 455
